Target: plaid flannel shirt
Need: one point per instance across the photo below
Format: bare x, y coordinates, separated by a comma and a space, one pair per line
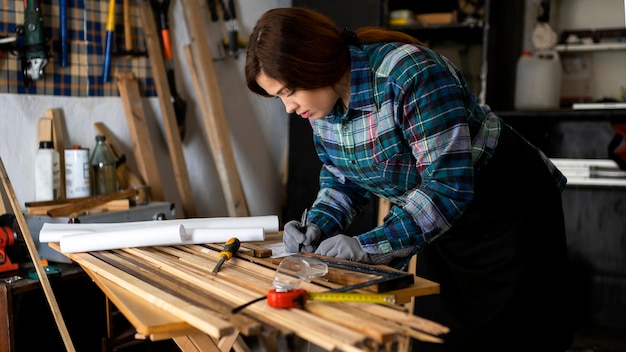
413, 134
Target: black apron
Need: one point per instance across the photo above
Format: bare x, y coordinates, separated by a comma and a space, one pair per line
502, 268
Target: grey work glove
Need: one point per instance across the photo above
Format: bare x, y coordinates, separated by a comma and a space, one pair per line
343, 247
298, 239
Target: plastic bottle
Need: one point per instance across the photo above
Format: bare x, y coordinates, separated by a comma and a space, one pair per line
538, 81
47, 172
103, 175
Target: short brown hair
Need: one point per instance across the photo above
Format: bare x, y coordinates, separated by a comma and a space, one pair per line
304, 49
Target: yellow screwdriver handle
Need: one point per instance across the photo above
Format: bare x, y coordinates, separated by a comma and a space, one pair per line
230, 248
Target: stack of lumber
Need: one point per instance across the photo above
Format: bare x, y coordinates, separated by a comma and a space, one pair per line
178, 280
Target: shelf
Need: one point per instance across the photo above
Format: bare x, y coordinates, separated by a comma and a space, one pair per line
467, 33
613, 115
591, 47
591, 172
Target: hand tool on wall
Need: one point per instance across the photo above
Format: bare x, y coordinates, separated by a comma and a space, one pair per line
35, 53
65, 44
160, 8
128, 30
230, 249
233, 41
108, 46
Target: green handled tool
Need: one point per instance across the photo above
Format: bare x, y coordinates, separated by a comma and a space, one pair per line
36, 51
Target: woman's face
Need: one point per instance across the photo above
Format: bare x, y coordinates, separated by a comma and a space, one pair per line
309, 104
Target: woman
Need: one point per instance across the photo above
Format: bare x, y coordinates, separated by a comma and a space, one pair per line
479, 204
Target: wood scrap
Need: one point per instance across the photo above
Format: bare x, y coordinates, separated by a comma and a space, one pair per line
91, 202
157, 65
140, 134
158, 272
58, 139
113, 205
200, 62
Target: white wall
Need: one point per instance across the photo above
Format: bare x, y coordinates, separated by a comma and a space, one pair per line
258, 128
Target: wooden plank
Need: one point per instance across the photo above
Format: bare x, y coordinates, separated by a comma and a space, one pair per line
200, 62
58, 138
91, 202
118, 204
140, 134
202, 319
147, 320
157, 65
9, 193
240, 282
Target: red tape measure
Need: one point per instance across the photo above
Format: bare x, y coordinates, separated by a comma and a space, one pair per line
295, 298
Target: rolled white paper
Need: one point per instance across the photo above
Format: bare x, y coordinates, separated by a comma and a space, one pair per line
53, 232
123, 238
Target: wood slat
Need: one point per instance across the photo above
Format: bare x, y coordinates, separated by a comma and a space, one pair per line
140, 134
200, 62
202, 319
177, 271
142, 315
58, 139
174, 143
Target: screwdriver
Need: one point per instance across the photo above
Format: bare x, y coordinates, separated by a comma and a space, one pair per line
230, 249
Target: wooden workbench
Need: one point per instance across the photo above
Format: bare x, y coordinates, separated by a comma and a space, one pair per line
170, 292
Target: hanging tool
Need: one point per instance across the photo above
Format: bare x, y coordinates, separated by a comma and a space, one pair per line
35, 53
160, 9
65, 47
128, 30
233, 29
108, 47
230, 249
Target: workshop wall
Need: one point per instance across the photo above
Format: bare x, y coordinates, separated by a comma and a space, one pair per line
257, 126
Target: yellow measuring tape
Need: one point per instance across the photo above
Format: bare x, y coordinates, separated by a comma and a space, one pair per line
352, 297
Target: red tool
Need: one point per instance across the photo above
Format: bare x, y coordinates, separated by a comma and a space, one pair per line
160, 9
295, 298
7, 238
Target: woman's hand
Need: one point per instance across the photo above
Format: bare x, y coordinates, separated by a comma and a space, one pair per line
343, 247
298, 239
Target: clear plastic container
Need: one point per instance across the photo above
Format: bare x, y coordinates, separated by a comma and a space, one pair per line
538, 81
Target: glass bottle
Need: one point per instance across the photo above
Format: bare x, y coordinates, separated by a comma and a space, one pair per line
103, 173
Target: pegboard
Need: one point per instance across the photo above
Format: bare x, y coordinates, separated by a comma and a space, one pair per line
86, 24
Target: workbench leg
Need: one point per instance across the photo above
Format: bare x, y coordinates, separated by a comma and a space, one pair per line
196, 343
269, 340
206, 343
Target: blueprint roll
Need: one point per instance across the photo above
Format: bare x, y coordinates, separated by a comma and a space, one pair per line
124, 238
